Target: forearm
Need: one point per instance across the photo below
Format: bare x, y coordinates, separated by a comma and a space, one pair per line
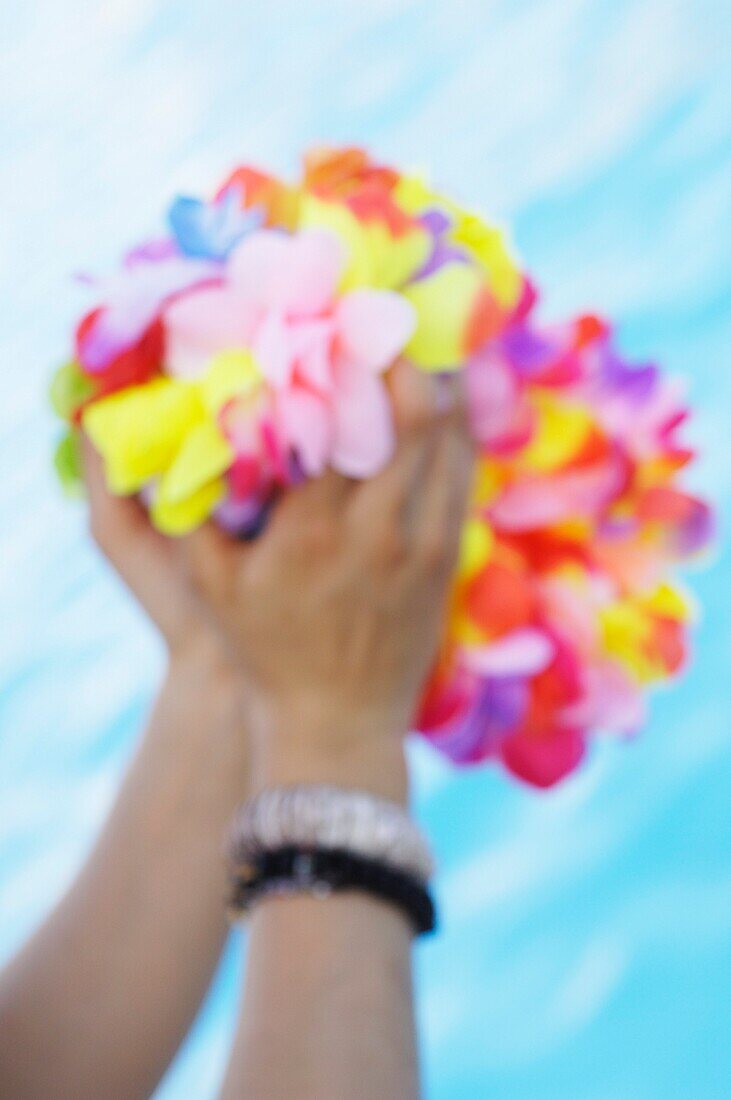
328, 1004
99, 1000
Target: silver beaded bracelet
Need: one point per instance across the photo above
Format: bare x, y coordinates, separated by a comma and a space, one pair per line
322, 816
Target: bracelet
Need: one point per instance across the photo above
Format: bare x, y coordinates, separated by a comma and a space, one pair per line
322, 871
322, 816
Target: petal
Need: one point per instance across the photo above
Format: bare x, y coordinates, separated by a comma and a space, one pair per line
337, 219
70, 389
69, 465
211, 230
499, 599
489, 248
364, 433
230, 374
562, 429
493, 398
611, 701
246, 480
687, 522
240, 518
204, 455
273, 350
255, 264
476, 546
132, 299
468, 718
181, 517
306, 423
139, 431
315, 264
374, 256
374, 326
203, 323
395, 259
136, 365
444, 303
277, 200
313, 343
544, 760
520, 653
533, 502
500, 707
290, 274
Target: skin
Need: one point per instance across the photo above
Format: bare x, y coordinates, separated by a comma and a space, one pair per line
321, 632
333, 617
99, 1000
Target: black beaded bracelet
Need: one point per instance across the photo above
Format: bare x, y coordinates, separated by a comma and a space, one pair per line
321, 871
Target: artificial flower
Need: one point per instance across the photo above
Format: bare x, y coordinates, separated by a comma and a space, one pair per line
248, 350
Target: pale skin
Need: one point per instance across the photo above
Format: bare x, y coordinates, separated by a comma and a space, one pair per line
99, 1000
334, 675
322, 632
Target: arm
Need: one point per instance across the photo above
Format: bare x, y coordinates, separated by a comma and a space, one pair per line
328, 1009
344, 598
328, 1000
99, 1000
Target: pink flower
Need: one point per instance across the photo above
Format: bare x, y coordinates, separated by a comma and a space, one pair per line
323, 356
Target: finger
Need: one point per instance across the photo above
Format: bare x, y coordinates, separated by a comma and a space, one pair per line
121, 528
385, 498
103, 507
210, 557
325, 494
307, 520
441, 499
414, 397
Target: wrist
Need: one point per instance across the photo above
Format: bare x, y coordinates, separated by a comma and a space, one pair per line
200, 668
200, 649
207, 702
317, 745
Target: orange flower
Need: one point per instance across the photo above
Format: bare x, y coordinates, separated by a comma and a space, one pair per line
278, 200
340, 172
349, 176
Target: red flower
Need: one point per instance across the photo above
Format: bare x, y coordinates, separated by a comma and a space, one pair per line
132, 367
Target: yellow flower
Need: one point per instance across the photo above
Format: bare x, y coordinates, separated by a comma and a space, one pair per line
670, 602
562, 429
444, 304
179, 518
376, 257
629, 627
165, 433
488, 481
414, 195
476, 546
487, 246
626, 632
230, 374
138, 431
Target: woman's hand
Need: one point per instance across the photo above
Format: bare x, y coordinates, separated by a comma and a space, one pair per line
334, 614
143, 925
147, 563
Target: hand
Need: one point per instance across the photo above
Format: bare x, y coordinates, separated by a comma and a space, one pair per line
148, 564
334, 614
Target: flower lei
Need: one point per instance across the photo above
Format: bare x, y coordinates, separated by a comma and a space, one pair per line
248, 349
